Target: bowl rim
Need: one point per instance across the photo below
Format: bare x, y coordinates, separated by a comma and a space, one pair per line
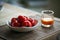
22, 27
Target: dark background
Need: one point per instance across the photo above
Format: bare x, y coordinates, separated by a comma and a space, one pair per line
36, 5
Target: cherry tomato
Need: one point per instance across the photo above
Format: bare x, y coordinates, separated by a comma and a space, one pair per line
27, 23
13, 20
15, 24
33, 21
21, 18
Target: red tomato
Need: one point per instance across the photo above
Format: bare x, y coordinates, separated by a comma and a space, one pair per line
13, 20
21, 18
27, 23
15, 24
33, 21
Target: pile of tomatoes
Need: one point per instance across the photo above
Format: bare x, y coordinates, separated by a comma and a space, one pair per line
23, 21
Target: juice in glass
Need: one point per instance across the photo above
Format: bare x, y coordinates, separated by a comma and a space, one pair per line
47, 22
47, 19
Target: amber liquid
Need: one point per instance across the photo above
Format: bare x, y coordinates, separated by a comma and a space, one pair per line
47, 22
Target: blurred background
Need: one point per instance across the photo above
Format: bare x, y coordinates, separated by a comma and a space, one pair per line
36, 5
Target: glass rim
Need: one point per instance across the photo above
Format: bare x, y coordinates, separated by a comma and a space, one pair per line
46, 11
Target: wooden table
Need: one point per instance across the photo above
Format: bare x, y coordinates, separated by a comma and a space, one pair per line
38, 34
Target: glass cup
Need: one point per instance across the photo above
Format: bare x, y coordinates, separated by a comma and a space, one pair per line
47, 19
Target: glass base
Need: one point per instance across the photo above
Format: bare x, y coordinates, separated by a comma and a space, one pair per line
46, 26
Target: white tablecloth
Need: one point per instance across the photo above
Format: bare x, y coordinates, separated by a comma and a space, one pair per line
8, 11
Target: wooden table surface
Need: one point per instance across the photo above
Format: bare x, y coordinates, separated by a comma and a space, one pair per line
38, 34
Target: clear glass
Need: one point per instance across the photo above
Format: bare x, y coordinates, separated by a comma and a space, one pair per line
47, 19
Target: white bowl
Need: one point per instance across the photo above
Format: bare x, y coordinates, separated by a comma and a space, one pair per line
23, 29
